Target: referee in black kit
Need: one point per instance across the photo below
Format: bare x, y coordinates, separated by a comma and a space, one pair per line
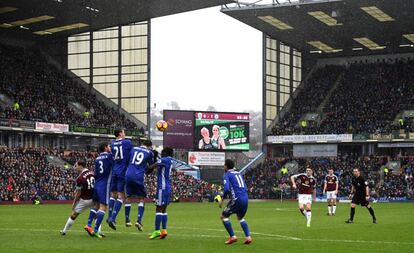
360, 195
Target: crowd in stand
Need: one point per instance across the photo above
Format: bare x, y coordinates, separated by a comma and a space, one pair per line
27, 174
367, 99
43, 93
265, 181
308, 99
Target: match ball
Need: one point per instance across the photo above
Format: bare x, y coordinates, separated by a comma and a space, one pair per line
161, 125
218, 198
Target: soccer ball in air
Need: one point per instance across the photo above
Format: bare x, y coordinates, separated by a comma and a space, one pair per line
161, 125
218, 198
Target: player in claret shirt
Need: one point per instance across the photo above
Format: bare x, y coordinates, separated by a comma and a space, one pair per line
331, 185
85, 183
307, 191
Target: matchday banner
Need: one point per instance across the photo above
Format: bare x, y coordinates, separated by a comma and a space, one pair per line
315, 150
180, 129
52, 127
17, 123
98, 130
221, 131
206, 158
309, 138
82, 129
381, 136
396, 145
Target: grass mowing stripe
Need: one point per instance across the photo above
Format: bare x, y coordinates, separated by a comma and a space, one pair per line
267, 236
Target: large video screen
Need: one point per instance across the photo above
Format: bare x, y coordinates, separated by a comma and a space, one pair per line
221, 131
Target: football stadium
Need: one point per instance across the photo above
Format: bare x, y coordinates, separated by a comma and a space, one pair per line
86, 165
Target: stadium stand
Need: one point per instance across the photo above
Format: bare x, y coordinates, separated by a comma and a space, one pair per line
25, 174
308, 100
265, 180
367, 99
43, 93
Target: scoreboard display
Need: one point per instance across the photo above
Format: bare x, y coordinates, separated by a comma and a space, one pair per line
221, 131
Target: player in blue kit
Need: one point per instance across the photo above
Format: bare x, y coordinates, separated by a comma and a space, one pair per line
141, 158
120, 149
235, 186
103, 175
165, 165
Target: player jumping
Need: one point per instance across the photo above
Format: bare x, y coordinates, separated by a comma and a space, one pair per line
103, 170
120, 149
306, 188
141, 157
165, 165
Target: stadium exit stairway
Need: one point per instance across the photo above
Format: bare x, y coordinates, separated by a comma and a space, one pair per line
331, 91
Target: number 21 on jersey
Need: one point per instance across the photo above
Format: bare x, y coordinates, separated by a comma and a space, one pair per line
119, 154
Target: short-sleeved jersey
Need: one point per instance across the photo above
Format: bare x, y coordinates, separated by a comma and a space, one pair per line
360, 185
165, 165
306, 183
85, 183
121, 151
141, 157
103, 167
330, 182
234, 184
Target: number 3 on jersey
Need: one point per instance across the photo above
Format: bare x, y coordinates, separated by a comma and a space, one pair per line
119, 154
101, 168
137, 158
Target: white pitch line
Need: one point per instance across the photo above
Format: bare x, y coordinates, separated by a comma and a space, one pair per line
281, 237
267, 236
253, 233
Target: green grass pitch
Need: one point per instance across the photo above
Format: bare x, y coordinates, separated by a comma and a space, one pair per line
196, 227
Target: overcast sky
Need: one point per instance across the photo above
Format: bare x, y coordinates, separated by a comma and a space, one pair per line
206, 58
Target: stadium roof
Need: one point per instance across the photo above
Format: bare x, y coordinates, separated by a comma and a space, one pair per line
51, 18
334, 28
